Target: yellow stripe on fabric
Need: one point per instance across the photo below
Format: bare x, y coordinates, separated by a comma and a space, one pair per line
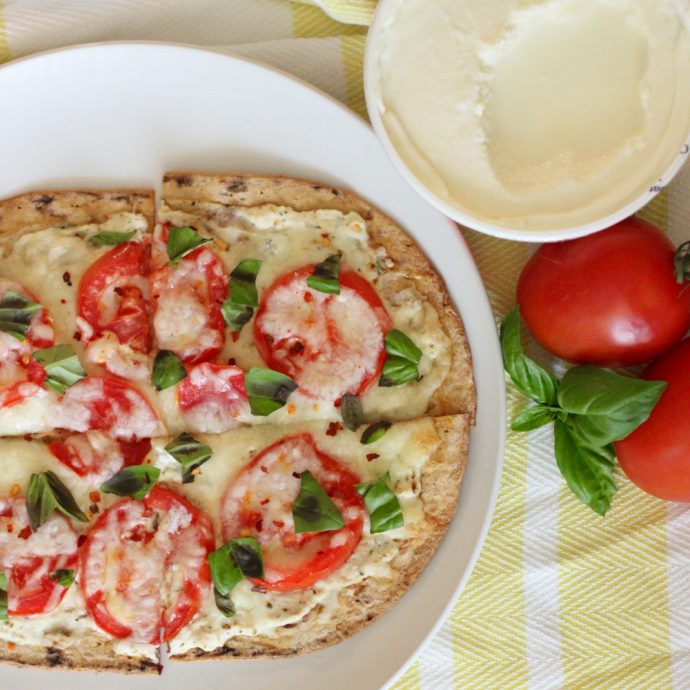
488, 621
411, 679
4, 43
613, 594
656, 211
309, 21
350, 11
353, 60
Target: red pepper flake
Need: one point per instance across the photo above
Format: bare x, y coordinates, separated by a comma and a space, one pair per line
269, 339
119, 291
81, 539
93, 509
259, 588
77, 336
296, 475
372, 456
279, 524
235, 336
63, 301
263, 469
333, 428
297, 348
259, 525
25, 533
11, 646
27, 437
67, 278
308, 297
325, 234
232, 361
94, 497
10, 527
265, 501
338, 402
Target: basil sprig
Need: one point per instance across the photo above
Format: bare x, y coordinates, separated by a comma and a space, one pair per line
47, 493
62, 366
3, 597
229, 564
63, 576
326, 275
135, 481
313, 510
102, 239
351, 410
182, 241
403, 357
267, 390
590, 407
243, 299
374, 432
382, 505
167, 370
189, 453
16, 312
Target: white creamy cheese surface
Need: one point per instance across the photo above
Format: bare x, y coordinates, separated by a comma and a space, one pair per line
538, 114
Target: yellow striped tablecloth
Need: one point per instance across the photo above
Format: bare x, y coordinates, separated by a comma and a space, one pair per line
559, 597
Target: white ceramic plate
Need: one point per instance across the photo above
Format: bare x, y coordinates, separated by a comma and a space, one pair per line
122, 114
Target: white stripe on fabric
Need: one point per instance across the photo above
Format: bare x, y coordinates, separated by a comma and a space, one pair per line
543, 639
678, 529
436, 667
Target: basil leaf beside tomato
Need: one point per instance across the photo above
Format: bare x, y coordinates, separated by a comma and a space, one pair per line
47, 493
313, 510
3, 597
402, 360
63, 576
326, 275
167, 370
183, 241
382, 504
189, 453
587, 471
534, 418
63, 368
351, 410
101, 239
267, 390
16, 312
238, 309
527, 375
229, 564
135, 481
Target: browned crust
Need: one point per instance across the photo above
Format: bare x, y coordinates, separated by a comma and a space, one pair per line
68, 208
91, 654
457, 394
365, 601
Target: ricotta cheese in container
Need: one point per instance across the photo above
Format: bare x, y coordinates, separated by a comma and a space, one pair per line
533, 115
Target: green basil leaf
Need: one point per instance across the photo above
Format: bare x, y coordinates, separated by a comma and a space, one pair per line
267, 390
135, 481
588, 472
239, 307
167, 370
47, 493
101, 239
533, 418
382, 504
63, 576
351, 410
182, 241
63, 368
527, 375
189, 453
313, 510
326, 275
236, 315
375, 431
16, 312
403, 358
229, 564
3, 597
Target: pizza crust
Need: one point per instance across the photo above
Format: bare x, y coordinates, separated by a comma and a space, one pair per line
364, 601
181, 191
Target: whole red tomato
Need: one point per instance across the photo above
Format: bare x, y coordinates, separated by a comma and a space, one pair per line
656, 456
610, 299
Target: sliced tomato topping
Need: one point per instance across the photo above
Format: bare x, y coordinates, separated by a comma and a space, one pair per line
259, 502
144, 566
329, 344
21, 376
96, 456
109, 405
212, 397
186, 300
28, 558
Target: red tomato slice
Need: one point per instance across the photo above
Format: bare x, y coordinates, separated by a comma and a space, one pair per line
98, 404
21, 376
96, 456
28, 558
258, 503
186, 303
329, 344
114, 296
212, 398
144, 566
